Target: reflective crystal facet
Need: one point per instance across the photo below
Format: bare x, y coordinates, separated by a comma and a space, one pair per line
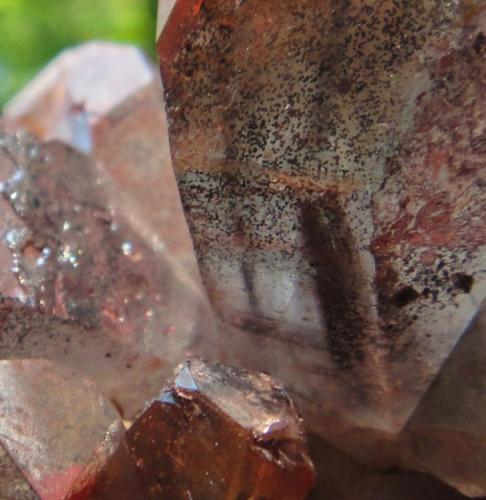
330, 158
64, 437
221, 433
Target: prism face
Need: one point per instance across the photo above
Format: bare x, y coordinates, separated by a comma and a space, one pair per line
182, 442
302, 137
64, 437
341, 477
446, 436
94, 292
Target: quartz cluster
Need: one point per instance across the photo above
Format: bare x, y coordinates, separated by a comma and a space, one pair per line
98, 279
97, 268
331, 162
218, 434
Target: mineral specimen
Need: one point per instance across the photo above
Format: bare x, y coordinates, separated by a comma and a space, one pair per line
330, 158
221, 433
80, 284
59, 437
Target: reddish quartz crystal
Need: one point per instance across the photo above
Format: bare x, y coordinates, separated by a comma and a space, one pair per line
105, 99
330, 158
64, 437
80, 284
221, 433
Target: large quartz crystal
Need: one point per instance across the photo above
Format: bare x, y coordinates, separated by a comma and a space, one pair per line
330, 158
221, 434
59, 438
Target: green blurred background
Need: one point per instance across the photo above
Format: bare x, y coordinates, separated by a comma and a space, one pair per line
32, 32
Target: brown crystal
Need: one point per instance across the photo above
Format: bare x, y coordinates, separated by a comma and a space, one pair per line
221, 433
65, 438
330, 158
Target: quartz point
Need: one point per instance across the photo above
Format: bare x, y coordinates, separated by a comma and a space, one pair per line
80, 284
330, 160
65, 439
221, 433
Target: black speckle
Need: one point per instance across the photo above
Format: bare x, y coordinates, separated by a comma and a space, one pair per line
404, 296
464, 282
479, 43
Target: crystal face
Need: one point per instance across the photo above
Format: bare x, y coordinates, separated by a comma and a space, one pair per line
221, 433
342, 478
65, 438
330, 161
447, 433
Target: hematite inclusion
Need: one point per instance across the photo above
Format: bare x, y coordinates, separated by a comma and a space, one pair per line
330, 158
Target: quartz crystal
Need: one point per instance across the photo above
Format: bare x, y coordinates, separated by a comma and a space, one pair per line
330, 158
79, 281
221, 433
59, 437
105, 99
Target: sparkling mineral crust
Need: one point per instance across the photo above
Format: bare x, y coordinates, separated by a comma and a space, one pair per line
59, 438
330, 158
221, 433
80, 281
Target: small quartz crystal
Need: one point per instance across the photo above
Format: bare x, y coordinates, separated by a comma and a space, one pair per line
59, 437
221, 433
81, 284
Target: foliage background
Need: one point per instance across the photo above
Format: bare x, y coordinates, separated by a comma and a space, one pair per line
32, 32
